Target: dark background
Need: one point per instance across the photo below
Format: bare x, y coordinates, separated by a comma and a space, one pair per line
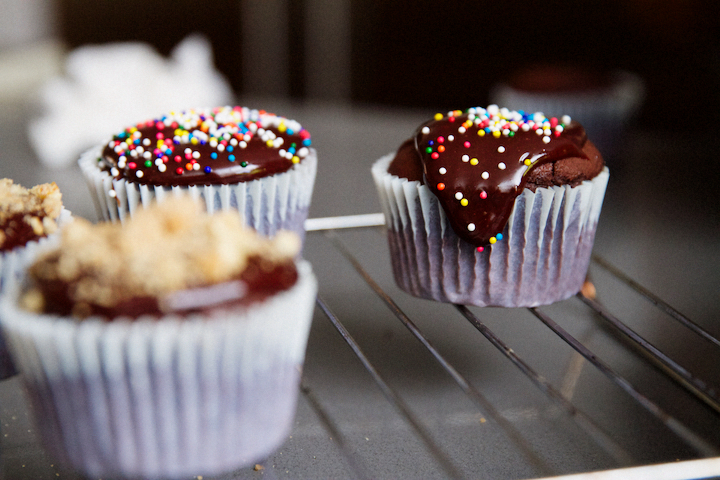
449, 54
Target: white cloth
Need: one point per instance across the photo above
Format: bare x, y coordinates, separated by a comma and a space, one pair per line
111, 86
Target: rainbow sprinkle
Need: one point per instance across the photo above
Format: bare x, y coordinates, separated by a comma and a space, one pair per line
493, 122
226, 130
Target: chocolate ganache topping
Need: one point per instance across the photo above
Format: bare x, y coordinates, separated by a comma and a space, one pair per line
477, 162
203, 147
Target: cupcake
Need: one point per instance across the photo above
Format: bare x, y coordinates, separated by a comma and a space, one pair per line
492, 207
605, 102
165, 347
253, 162
29, 218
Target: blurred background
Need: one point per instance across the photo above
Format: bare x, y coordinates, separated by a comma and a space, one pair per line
432, 54
419, 57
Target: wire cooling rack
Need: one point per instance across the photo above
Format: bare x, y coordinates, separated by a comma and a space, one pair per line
686, 412
614, 383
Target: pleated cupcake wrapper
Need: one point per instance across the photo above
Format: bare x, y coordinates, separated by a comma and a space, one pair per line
604, 115
13, 264
165, 398
542, 258
268, 204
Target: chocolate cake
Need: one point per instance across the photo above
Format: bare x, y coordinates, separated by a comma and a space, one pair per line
561, 79
220, 146
492, 207
260, 165
477, 163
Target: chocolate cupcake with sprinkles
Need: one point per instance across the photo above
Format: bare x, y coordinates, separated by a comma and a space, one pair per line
235, 158
492, 207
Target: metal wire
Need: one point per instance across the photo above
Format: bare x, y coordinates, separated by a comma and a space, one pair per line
583, 420
464, 384
672, 423
665, 364
657, 301
393, 397
695, 385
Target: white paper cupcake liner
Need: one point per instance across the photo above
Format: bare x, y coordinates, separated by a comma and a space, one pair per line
165, 398
543, 257
604, 115
13, 264
268, 204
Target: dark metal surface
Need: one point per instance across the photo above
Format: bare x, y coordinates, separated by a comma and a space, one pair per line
396, 387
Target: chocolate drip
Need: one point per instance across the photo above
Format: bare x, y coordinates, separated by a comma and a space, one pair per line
477, 164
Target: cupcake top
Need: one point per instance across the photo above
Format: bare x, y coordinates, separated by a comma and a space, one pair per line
203, 147
170, 258
478, 161
555, 79
27, 214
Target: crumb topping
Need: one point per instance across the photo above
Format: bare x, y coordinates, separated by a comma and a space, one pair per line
27, 214
169, 247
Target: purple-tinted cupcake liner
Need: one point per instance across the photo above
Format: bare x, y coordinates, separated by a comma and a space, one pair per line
543, 257
267, 204
165, 398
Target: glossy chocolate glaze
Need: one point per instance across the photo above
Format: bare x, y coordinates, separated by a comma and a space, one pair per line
257, 282
221, 146
478, 162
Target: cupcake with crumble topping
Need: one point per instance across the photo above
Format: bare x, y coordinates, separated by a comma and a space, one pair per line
256, 163
29, 220
492, 207
165, 347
